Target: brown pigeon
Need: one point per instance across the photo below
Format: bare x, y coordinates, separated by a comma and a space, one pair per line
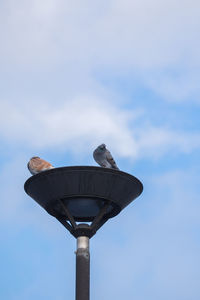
37, 165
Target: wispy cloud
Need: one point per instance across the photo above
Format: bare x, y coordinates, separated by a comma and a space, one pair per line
84, 123
141, 37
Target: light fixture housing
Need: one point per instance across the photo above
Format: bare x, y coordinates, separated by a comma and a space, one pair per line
83, 194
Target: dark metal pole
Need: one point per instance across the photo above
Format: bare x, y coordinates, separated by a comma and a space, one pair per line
82, 269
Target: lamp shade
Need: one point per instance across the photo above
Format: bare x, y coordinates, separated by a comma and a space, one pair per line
84, 190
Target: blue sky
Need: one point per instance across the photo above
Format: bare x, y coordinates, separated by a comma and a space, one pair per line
74, 75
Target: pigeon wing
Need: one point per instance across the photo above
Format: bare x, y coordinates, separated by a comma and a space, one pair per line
111, 160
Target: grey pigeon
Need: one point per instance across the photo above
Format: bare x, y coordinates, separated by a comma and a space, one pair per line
104, 158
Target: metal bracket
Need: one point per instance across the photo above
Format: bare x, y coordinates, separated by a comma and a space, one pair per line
83, 229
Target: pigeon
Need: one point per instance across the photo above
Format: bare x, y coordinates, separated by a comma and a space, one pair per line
37, 165
104, 158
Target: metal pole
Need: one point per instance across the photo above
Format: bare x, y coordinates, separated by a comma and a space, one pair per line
82, 269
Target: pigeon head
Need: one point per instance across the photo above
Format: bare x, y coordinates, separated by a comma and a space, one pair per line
102, 147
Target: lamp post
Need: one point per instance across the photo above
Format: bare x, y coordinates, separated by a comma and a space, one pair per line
87, 195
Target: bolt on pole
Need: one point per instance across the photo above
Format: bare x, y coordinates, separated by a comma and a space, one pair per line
82, 269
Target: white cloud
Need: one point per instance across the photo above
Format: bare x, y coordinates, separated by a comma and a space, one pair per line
78, 124
81, 124
181, 85
149, 33
141, 37
156, 142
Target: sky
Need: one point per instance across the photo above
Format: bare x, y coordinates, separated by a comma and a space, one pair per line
73, 75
